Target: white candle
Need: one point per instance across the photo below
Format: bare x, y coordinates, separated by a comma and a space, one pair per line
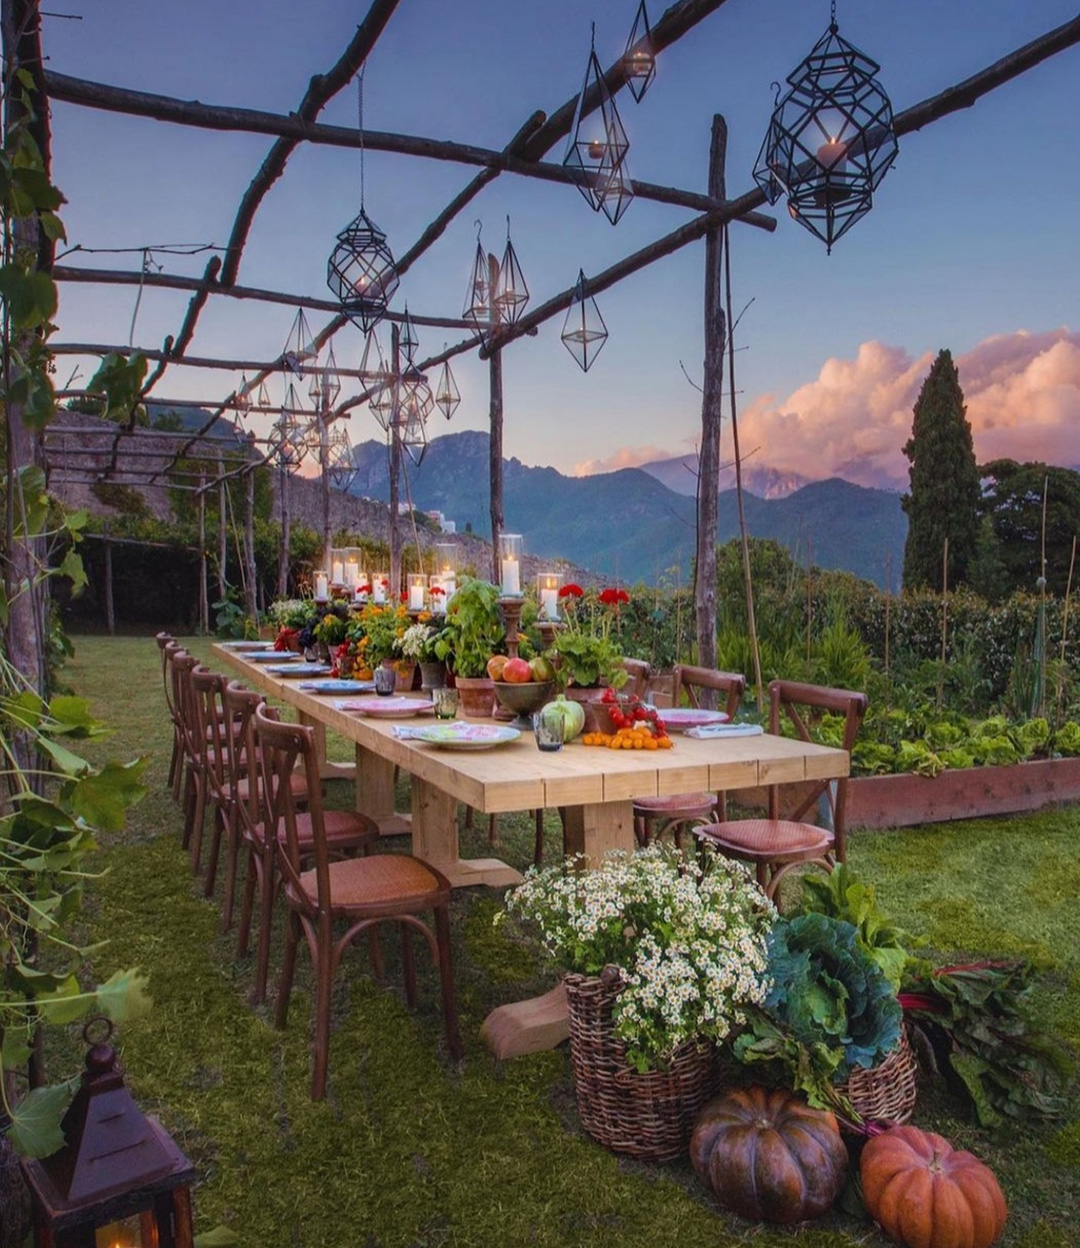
337, 573
352, 573
511, 577
416, 597
378, 592
831, 156
549, 601
321, 587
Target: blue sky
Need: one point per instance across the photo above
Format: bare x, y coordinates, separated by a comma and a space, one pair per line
972, 237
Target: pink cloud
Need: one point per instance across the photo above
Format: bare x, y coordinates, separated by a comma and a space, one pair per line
1022, 392
624, 457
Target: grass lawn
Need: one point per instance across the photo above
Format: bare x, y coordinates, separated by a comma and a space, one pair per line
410, 1149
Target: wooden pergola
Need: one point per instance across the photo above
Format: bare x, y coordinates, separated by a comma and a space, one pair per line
525, 155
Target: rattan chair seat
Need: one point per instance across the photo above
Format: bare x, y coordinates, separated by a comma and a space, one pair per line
676, 805
373, 881
767, 840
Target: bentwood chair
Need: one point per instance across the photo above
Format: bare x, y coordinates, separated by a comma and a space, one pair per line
341, 832
359, 893
191, 770
776, 846
164, 640
653, 816
210, 733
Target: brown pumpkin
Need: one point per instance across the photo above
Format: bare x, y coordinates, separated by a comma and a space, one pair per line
768, 1156
923, 1193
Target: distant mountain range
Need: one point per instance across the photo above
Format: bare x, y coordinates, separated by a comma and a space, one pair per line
630, 523
680, 475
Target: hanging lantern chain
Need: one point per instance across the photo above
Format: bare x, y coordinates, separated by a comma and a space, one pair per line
360, 127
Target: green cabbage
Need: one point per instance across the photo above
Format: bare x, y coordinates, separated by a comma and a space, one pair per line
1067, 738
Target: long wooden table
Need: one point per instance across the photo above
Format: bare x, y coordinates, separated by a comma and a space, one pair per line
594, 787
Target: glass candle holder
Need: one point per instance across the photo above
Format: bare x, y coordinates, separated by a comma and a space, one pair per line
548, 585
322, 586
511, 548
417, 590
380, 587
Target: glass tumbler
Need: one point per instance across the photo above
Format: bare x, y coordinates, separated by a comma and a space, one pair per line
549, 727
446, 703
385, 681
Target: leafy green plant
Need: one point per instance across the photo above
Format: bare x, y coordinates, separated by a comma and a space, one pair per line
473, 631
587, 650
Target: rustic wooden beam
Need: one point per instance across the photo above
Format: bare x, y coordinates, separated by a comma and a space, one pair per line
174, 281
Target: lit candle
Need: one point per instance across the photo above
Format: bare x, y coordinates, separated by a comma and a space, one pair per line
831, 156
549, 602
337, 573
321, 586
416, 597
378, 590
511, 577
449, 584
352, 573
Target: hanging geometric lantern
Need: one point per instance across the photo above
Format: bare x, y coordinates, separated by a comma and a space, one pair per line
584, 332
447, 395
242, 398
414, 438
299, 346
313, 435
341, 466
415, 400
615, 191
408, 341
262, 398
831, 138
376, 380
597, 144
639, 60
331, 383
288, 434
361, 273
478, 301
119, 1177
511, 292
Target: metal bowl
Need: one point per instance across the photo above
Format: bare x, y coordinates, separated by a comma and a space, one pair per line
523, 698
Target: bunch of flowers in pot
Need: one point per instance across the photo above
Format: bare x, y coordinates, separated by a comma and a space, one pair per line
418, 645
290, 617
588, 649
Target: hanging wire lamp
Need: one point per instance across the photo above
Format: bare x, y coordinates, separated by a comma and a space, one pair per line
511, 291
415, 400
413, 433
478, 301
331, 383
300, 347
262, 398
360, 271
584, 332
615, 191
408, 339
287, 434
597, 144
447, 395
376, 380
831, 138
242, 398
639, 60
341, 466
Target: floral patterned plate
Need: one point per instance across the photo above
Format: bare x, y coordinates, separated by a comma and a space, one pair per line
463, 736
386, 708
680, 718
292, 670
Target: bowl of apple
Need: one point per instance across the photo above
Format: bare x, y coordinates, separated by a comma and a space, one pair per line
521, 686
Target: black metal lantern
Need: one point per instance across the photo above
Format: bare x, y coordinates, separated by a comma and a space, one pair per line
377, 381
584, 332
408, 339
511, 291
242, 398
361, 273
341, 465
639, 60
830, 140
410, 419
288, 435
447, 395
299, 346
479, 308
615, 191
120, 1179
598, 144
262, 398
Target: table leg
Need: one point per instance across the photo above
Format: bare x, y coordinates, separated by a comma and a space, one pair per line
327, 769
595, 830
375, 792
435, 839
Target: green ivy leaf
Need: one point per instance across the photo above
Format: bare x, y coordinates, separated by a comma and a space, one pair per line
30, 296
67, 1003
71, 566
35, 1121
15, 1049
35, 500
124, 996
102, 798
70, 764
72, 715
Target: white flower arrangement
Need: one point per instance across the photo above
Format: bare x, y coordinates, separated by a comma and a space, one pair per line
415, 642
689, 940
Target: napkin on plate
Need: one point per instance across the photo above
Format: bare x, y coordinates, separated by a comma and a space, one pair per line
406, 734
726, 730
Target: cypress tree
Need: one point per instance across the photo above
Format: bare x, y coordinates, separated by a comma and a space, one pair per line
945, 489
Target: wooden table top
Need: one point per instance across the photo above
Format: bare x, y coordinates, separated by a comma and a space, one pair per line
518, 776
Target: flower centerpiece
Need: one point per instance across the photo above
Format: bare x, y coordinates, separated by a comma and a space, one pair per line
588, 646
665, 957
417, 645
291, 616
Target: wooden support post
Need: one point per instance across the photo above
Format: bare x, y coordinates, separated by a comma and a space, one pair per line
204, 603
712, 402
252, 605
286, 536
395, 467
495, 442
110, 610
223, 533
324, 472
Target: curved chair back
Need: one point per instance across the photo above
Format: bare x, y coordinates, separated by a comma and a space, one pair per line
239, 706
702, 685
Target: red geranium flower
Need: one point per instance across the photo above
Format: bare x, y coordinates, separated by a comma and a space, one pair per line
571, 590
363, 589
436, 589
612, 597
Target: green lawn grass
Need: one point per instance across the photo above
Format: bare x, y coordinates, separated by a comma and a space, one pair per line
409, 1148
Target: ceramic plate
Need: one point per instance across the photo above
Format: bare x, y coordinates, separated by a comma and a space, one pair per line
462, 736
338, 686
244, 646
679, 718
273, 656
299, 669
388, 708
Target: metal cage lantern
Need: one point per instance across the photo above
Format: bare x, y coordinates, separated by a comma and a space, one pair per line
361, 273
327, 381
410, 427
447, 395
242, 397
119, 1178
376, 380
341, 466
584, 332
615, 191
415, 399
639, 60
287, 434
831, 138
511, 291
299, 346
598, 144
408, 339
262, 398
478, 301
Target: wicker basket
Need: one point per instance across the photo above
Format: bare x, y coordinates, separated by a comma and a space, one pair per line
647, 1116
885, 1094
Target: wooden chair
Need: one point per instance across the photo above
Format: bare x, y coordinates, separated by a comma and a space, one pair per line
342, 832
777, 846
653, 816
360, 892
192, 741
210, 733
164, 640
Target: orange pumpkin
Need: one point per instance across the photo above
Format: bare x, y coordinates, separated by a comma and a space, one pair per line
925, 1194
768, 1156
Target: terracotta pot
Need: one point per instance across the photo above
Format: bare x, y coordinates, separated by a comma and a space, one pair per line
477, 696
404, 670
596, 719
